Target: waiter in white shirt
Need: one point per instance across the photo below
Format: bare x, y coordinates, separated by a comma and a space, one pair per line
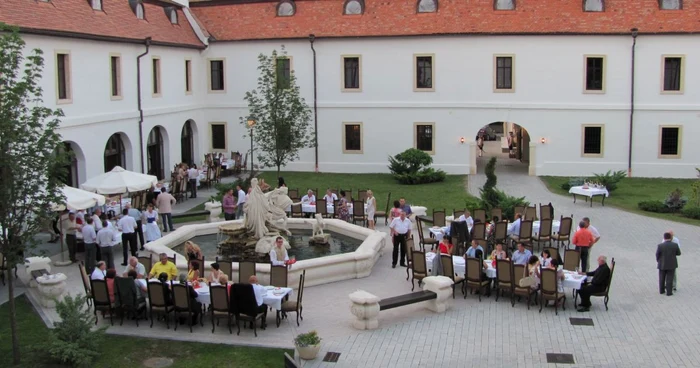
127, 225
90, 240
136, 215
240, 194
96, 220
192, 175
400, 231
105, 240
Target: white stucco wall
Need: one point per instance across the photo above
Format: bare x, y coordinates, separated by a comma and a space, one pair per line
548, 100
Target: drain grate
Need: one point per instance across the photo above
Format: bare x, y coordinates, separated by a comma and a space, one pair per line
581, 321
557, 358
331, 357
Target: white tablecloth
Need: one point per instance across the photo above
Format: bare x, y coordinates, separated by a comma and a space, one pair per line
459, 265
439, 232
311, 208
589, 192
114, 206
536, 226
270, 299
573, 280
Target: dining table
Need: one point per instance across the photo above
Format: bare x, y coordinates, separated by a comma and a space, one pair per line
460, 265
589, 192
273, 296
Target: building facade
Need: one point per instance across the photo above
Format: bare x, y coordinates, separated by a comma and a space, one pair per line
389, 76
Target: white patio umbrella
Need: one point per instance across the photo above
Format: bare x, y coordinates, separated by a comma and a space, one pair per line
119, 181
78, 199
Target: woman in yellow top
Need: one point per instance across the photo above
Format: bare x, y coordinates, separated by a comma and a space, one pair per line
193, 273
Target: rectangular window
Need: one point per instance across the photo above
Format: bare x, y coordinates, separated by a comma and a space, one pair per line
63, 83
673, 73
504, 73
351, 73
218, 136
284, 72
352, 137
156, 77
593, 140
424, 73
216, 75
670, 146
116, 76
188, 76
595, 73
593, 5
671, 4
425, 137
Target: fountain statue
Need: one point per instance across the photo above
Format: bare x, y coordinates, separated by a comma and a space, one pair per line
318, 236
263, 214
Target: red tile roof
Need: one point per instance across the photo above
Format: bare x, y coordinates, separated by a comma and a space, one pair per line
226, 20
118, 21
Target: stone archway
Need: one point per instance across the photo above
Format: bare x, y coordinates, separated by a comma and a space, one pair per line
188, 139
75, 168
509, 143
117, 151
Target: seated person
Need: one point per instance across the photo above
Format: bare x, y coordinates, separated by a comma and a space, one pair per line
499, 253
491, 226
533, 270
330, 197
309, 198
134, 265
259, 291
163, 278
223, 280
471, 252
467, 217
100, 271
601, 278
546, 258
164, 266
193, 273
521, 256
109, 278
140, 284
215, 273
195, 306
278, 254
446, 246
554, 265
514, 227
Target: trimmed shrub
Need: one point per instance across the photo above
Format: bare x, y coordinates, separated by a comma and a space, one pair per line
472, 203
73, 341
609, 179
222, 188
653, 206
573, 182
675, 200
412, 166
691, 212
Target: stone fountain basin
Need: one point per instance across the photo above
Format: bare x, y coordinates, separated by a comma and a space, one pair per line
319, 271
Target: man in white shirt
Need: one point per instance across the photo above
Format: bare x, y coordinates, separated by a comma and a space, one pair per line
309, 198
330, 197
99, 272
105, 240
467, 217
134, 265
400, 231
127, 225
514, 228
69, 227
192, 175
96, 220
278, 253
677, 241
136, 215
90, 240
240, 194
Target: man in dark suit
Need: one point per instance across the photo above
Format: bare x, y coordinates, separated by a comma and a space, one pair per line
667, 263
600, 281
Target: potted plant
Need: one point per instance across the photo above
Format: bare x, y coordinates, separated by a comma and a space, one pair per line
308, 344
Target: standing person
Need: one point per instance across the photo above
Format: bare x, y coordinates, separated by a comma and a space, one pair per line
280, 182
151, 230
601, 279
90, 240
127, 225
241, 202
229, 205
342, 210
97, 219
165, 203
677, 241
136, 215
371, 208
583, 240
480, 144
105, 240
400, 231
54, 226
667, 263
511, 141
70, 226
395, 211
192, 175
405, 207
594, 232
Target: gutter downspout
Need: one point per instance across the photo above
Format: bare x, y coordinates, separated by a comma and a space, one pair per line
311, 41
629, 153
147, 42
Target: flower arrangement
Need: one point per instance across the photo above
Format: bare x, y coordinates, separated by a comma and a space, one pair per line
307, 339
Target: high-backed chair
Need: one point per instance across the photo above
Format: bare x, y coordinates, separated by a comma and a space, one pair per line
456, 214
294, 306
474, 281
245, 270
531, 213
439, 218
297, 210
528, 292
546, 211
504, 276
525, 235
362, 195
278, 276
147, 262
500, 232
219, 303
293, 193
128, 299
358, 212
419, 268
606, 294
564, 234
385, 213
448, 269
226, 267
410, 247
545, 232
518, 209
553, 251
322, 207
479, 231
480, 214
572, 259
422, 240
497, 212
173, 259
86, 283
159, 302
245, 308
548, 289
101, 301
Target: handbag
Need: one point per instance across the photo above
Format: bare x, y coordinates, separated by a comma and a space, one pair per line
527, 282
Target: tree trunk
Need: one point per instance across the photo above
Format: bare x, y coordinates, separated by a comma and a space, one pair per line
278, 172
13, 316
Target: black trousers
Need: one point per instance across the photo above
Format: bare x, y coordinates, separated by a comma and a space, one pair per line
587, 290
666, 281
229, 216
193, 188
70, 242
139, 231
130, 241
584, 257
399, 246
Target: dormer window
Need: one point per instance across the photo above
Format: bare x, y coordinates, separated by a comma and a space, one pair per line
139, 11
171, 12
427, 6
670, 4
96, 5
354, 7
137, 8
593, 5
286, 8
504, 4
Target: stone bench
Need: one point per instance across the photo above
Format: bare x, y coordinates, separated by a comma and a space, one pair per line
437, 291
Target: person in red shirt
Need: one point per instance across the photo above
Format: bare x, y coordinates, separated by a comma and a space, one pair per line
446, 245
583, 239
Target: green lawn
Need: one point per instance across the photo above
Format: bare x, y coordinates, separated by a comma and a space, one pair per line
122, 351
631, 191
449, 194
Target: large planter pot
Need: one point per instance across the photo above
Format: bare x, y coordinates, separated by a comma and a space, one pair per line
308, 352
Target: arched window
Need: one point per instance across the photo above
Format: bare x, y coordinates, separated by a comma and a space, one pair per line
286, 8
593, 5
187, 143
71, 169
427, 6
354, 7
504, 5
115, 154
140, 14
96, 4
155, 153
171, 13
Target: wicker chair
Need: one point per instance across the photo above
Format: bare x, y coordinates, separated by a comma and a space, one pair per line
225, 267
572, 259
419, 268
422, 240
219, 305
245, 270
294, 306
410, 247
480, 214
553, 251
384, 214
448, 269
548, 289
439, 218
147, 262
100, 299
564, 233
606, 294
173, 259
128, 301
158, 301
518, 274
293, 193
525, 235
518, 209
358, 212
504, 277
278, 276
500, 233
245, 308
322, 207
474, 280
86, 283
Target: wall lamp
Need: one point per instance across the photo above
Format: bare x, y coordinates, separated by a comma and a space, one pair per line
543, 140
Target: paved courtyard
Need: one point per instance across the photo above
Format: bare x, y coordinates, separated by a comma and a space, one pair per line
641, 329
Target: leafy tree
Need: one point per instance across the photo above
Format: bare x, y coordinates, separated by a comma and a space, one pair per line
412, 166
73, 340
282, 117
31, 168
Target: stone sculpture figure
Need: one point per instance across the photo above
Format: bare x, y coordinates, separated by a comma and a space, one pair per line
318, 226
278, 202
257, 209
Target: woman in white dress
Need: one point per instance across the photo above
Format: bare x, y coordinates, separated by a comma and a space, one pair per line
371, 208
150, 228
